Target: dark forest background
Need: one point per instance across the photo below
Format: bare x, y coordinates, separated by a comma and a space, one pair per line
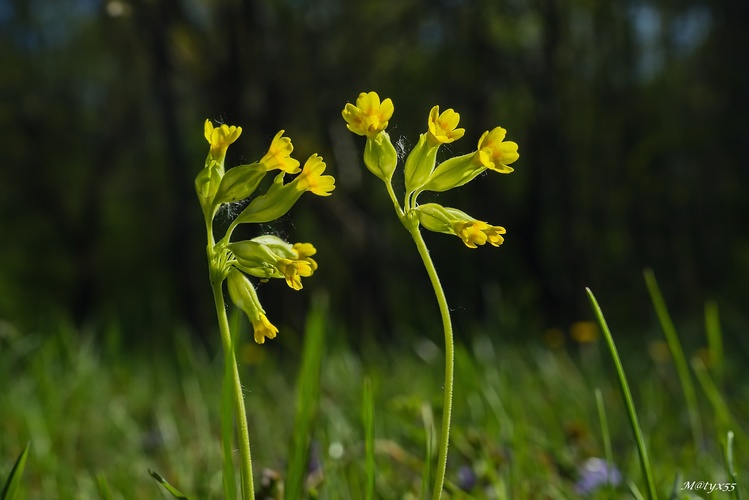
632, 118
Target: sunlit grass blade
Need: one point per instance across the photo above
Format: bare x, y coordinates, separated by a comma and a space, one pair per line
606, 436
307, 398
102, 486
635, 491
369, 437
647, 471
14, 478
168, 487
676, 488
729, 465
714, 340
677, 352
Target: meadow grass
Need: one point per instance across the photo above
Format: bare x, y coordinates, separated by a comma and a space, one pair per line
100, 416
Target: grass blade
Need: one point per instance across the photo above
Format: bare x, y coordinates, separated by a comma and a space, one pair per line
722, 413
605, 434
674, 345
714, 340
728, 461
624, 386
14, 478
676, 488
369, 437
427, 418
168, 487
102, 486
307, 398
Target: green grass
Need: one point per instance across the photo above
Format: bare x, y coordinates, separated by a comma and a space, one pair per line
99, 417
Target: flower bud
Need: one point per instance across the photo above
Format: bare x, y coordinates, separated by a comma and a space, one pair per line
419, 164
243, 295
453, 173
206, 185
380, 156
239, 183
275, 203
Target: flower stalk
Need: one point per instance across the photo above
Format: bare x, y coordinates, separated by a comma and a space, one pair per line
262, 257
369, 118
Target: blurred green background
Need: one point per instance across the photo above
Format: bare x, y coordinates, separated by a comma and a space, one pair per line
632, 120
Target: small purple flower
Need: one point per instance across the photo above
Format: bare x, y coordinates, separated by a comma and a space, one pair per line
594, 473
466, 478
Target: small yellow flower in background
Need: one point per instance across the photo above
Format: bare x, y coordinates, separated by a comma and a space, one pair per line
659, 352
370, 116
554, 338
279, 155
584, 332
496, 154
220, 137
442, 127
311, 178
263, 328
478, 233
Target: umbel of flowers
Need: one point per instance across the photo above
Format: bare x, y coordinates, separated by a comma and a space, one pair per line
265, 256
369, 118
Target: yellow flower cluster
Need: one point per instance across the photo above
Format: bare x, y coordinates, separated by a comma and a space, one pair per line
370, 117
266, 256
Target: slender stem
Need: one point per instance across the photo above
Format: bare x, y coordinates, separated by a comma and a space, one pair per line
396, 206
248, 487
447, 405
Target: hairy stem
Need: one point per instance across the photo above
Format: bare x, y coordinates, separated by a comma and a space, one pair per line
447, 405
248, 487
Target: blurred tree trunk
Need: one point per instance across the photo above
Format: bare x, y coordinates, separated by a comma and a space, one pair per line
157, 20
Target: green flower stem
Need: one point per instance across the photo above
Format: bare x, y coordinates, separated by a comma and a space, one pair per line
248, 487
396, 206
449, 359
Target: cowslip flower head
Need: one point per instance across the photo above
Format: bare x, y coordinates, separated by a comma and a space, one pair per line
478, 232
311, 178
495, 153
442, 127
369, 116
269, 256
219, 138
305, 251
294, 271
263, 328
437, 218
242, 294
279, 155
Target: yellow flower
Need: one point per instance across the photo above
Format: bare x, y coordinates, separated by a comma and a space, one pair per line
370, 116
305, 251
477, 232
279, 155
495, 153
294, 271
584, 332
220, 138
263, 328
442, 126
311, 178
